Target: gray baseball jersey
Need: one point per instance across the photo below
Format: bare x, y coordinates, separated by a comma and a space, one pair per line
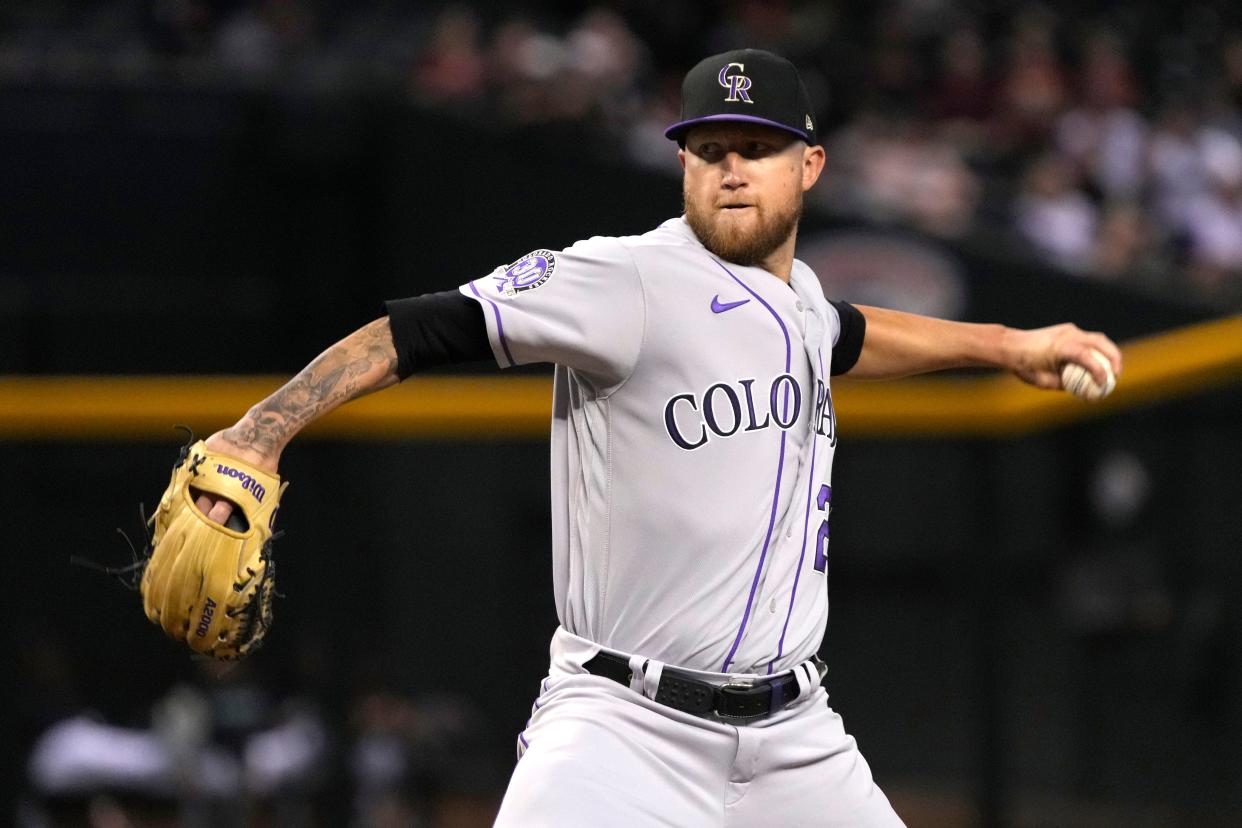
692, 444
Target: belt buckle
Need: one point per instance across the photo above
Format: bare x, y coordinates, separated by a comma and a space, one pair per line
740, 684
744, 691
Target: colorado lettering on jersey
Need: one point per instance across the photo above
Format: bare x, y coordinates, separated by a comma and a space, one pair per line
825, 416
721, 411
690, 419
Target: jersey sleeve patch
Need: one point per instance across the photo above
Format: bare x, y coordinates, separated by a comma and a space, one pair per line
581, 307
527, 273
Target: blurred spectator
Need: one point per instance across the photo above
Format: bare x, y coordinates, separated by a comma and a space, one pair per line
964, 90
521, 60
1116, 585
588, 77
963, 98
900, 170
452, 69
896, 75
1033, 91
256, 39
420, 762
1103, 135
1055, 216
645, 141
215, 750
1213, 218
1125, 247
1178, 172
606, 58
247, 43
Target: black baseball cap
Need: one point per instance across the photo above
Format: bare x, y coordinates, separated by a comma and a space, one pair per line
748, 85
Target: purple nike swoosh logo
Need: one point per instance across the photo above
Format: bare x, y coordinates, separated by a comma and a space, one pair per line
721, 307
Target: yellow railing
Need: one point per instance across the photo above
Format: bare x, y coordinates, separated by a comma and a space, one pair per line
1157, 368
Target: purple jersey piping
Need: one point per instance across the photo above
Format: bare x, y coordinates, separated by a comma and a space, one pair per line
678, 128
806, 519
776, 495
500, 326
543, 688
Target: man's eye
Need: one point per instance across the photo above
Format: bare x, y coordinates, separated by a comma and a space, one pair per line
757, 148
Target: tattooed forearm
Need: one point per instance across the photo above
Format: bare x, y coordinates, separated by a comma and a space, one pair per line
362, 362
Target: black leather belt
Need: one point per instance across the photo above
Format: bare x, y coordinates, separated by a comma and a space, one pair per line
731, 703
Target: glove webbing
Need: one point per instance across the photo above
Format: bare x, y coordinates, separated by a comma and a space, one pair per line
130, 576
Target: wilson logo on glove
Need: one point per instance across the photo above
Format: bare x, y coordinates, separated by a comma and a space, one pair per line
249, 484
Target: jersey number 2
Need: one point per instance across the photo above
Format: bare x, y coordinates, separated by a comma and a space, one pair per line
824, 502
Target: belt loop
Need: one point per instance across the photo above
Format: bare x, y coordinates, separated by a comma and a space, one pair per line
806, 675
645, 675
638, 666
651, 678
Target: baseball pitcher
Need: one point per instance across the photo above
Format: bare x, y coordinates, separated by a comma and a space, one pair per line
692, 448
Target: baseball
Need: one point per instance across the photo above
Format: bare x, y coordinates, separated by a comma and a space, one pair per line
1076, 380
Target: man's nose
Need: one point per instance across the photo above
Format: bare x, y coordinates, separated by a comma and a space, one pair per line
732, 177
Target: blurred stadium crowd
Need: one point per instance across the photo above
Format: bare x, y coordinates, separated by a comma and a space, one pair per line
1106, 138
237, 744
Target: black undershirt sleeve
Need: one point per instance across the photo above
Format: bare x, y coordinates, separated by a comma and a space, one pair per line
446, 328
437, 329
849, 343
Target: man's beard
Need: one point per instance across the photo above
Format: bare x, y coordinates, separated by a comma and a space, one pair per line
748, 249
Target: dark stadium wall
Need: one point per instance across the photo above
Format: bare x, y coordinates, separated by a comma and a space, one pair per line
297, 217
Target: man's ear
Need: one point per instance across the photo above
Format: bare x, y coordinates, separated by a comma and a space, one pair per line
681, 157
812, 165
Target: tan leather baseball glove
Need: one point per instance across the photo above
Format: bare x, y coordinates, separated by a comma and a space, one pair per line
208, 585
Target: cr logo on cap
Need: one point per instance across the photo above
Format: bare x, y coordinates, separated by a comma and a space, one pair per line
736, 84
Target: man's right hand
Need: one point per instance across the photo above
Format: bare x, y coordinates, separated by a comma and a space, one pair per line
216, 508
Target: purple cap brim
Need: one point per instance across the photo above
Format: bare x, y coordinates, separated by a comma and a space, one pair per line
677, 130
